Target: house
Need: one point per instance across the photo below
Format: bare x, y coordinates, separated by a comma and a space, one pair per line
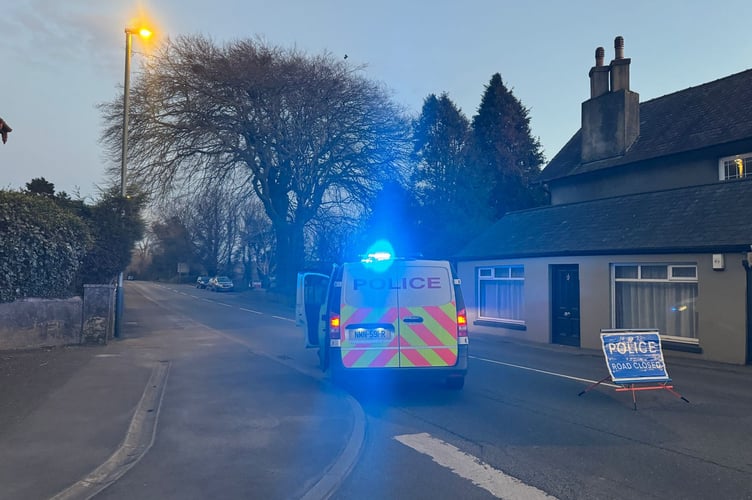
649, 226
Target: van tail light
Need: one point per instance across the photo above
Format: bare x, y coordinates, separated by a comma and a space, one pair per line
334, 329
461, 323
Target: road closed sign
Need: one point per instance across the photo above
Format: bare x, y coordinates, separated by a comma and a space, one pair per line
634, 356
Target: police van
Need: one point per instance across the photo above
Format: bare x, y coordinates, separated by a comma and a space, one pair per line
385, 314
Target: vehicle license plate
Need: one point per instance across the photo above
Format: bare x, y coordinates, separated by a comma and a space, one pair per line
370, 334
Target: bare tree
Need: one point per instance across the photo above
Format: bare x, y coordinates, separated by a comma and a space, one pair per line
257, 242
141, 255
212, 215
300, 131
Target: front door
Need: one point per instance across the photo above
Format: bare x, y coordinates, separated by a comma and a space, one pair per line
565, 304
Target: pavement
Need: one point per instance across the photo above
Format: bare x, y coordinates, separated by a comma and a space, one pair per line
75, 419
63, 412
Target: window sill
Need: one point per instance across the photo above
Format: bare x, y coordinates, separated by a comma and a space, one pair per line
675, 345
500, 324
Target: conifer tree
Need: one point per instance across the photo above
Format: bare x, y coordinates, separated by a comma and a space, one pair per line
451, 196
505, 150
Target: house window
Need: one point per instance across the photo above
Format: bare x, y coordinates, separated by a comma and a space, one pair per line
735, 167
501, 294
659, 296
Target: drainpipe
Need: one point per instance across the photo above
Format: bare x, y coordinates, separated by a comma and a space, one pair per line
747, 263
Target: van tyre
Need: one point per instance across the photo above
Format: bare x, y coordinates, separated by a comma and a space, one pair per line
455, 383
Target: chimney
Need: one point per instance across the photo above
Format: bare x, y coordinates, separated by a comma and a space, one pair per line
619, 67
611, 117
599, 75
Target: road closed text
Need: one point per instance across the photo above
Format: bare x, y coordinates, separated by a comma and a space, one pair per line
637, 365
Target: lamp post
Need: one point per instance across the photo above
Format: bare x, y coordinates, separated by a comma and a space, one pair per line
129, 32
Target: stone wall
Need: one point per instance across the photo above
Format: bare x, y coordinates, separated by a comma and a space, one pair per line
98, 319
33, 323
30, 323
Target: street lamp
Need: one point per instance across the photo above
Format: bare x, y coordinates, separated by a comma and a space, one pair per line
144, 33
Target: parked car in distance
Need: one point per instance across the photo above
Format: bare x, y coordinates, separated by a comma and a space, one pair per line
202, 281
221, 284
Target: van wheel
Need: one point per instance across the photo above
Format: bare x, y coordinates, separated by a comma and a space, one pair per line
455, 383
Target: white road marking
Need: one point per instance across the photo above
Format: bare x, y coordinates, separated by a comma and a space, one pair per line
283, 318
250, 310
471, 468
561, 375
230, 305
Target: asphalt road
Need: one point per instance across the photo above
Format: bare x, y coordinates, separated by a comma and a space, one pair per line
246, 414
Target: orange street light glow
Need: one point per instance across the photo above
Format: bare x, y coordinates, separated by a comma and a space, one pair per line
144, 33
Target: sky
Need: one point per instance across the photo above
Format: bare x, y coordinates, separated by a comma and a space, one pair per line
60, 59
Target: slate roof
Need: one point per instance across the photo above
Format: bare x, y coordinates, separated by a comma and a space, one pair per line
709, 218
710, 114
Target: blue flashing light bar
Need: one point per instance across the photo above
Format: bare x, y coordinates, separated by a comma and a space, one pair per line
377, 257
380, 254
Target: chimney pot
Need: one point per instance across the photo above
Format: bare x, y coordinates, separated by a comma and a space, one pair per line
599, 75
600, 54
619, 47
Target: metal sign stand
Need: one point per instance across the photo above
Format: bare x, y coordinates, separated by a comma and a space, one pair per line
635, 363
634, 387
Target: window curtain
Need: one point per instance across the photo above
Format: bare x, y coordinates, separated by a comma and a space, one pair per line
668, 307
502, 299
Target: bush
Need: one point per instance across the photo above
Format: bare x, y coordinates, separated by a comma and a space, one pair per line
41, 247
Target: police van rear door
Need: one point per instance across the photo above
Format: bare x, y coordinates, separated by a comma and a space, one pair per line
427, 315
401, 316
309, 297
369, 311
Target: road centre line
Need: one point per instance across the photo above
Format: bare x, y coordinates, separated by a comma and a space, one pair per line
250, 310
496, 482
560, 375
283, 318
231, 305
